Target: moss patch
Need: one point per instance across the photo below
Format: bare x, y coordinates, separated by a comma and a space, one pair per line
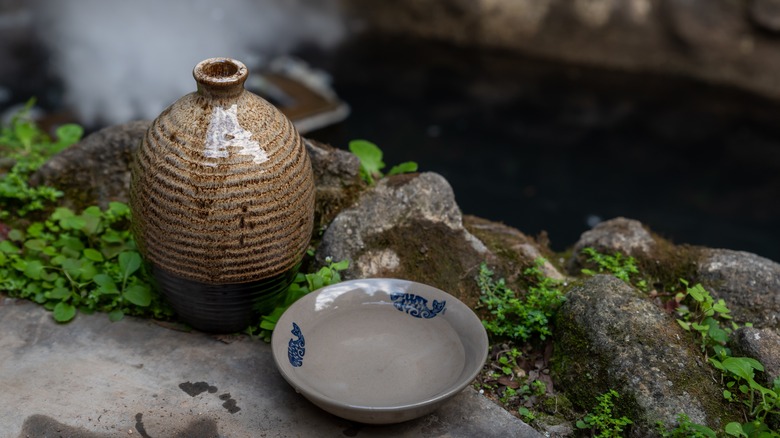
434, 254
666, 264
511, 249
593, 356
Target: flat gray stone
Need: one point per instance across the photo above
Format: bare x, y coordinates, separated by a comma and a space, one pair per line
97, 379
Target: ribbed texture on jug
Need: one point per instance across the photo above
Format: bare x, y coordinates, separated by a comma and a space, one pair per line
222, 189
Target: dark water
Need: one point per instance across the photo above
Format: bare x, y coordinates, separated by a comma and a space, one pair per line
545, 147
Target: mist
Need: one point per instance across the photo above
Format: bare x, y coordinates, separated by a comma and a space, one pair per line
126, 60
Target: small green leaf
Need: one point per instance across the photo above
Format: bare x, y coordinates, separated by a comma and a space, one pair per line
118, 209
25, 132
68, 134
20, 265
16, 235
129, 262
340, 266
718, 335
92, 217
115, 315
87, 271
105, 284
93, 255
735, 429
61, 213
64, 312
742, 366
9, 248
720, 307
370, 157
267, 325
138, 294
35, 244
59, 293
697, 292
72, 267
34, 269
72, 244
685, 325
406, 167
35, 230
112, 236
73, 223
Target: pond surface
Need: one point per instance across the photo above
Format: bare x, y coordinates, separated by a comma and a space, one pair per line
545, 147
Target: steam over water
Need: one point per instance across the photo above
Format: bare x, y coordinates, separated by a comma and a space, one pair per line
124, 60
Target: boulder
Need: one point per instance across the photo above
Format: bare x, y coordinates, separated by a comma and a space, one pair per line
610, 336
336, 179
96, 170
749, 284
626, 236
762, 345
407, 226
511, 250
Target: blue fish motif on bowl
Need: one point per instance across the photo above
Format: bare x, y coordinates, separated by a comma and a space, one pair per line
416, 305
296, 348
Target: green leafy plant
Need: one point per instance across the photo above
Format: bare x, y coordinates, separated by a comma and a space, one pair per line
17, 198
742, 387
601, 420
685, 429
527, 414
515, 386
518, 317
85, 262
302, 285
27, 147
24, 139
371, 163
622, 267
508, 361
704, 317
751, 429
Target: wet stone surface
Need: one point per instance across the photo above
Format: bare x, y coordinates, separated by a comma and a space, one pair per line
88, 384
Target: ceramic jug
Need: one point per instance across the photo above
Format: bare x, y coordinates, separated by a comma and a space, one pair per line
222, 197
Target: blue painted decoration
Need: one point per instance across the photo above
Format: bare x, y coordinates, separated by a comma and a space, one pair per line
416, 306
296, 348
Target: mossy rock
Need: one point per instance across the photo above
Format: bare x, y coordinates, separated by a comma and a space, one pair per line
610, 336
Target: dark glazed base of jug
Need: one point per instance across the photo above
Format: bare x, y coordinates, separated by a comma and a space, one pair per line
222, 308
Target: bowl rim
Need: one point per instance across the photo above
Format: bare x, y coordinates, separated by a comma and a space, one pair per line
314, 394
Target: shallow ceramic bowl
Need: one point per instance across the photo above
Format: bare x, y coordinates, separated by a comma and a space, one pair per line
379, 350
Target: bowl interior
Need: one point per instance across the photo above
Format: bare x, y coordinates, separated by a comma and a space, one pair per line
379, 344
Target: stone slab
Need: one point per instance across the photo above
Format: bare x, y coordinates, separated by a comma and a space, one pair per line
97, 379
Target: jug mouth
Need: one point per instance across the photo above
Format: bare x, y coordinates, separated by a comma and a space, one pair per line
220, 76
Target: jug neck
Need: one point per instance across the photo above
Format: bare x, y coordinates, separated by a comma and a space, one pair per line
220, 77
